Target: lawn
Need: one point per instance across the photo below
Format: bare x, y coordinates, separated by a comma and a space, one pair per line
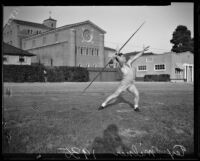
58, 118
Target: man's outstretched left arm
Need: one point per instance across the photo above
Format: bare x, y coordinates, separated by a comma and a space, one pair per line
132, 59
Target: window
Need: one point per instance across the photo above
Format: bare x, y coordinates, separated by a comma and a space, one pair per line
149, 59
97, 52
88, 65
44, 40
79, 65
5, 59
33, 43
51, 62
92, 52
159, 67
86, 51
81, 51
56, 37
142, 68
21, 59
178, 71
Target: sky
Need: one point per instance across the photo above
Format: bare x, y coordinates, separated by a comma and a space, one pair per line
119, 22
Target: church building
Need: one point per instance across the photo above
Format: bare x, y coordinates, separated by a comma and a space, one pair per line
79, 44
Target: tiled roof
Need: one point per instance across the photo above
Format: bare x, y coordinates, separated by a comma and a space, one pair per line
11, 50
33, 24
50, 19
109, 48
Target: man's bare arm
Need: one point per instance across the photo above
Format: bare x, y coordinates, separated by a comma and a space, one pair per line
131, 60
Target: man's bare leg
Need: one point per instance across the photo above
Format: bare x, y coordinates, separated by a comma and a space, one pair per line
112, 97
133, 90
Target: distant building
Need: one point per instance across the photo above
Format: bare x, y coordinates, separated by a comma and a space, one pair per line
16, 30
109, 53
15, 56
78, 44
178, 65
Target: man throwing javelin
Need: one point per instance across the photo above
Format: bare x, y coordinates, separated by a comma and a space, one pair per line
127, 83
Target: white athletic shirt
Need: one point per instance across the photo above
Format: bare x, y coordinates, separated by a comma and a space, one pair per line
128, 74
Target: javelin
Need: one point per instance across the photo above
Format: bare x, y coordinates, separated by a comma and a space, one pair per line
110, 60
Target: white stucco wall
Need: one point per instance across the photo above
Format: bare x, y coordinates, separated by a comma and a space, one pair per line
14, 60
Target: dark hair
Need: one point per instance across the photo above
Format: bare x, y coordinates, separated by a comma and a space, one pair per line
117, 59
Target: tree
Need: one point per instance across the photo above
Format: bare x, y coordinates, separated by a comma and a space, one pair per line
192, 45
182, 40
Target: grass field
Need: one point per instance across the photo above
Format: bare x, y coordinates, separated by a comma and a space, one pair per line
57, 118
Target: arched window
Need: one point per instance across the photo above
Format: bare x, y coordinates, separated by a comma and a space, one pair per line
51, 62
81, 51
92, 52
86, 51
97, 52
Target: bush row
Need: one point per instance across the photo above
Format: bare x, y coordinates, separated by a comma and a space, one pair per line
23, 73
27, 73
67, 74
160, 77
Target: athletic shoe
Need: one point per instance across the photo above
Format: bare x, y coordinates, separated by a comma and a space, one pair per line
100, 108
137, 109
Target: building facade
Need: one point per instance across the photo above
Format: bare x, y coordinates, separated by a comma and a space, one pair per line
109, 53
16, 30
178, 65
80, 44
15, 56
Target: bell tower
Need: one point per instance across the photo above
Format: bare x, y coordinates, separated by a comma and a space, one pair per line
50, 22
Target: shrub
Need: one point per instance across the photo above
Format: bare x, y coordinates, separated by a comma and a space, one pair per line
161, 77
23, 73
35, 73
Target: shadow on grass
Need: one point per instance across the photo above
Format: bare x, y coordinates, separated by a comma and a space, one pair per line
110, 143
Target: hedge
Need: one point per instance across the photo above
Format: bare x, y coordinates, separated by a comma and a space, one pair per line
67, 74
23, 73
160, 77
35, 73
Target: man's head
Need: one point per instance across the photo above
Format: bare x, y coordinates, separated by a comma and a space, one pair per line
120, 58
